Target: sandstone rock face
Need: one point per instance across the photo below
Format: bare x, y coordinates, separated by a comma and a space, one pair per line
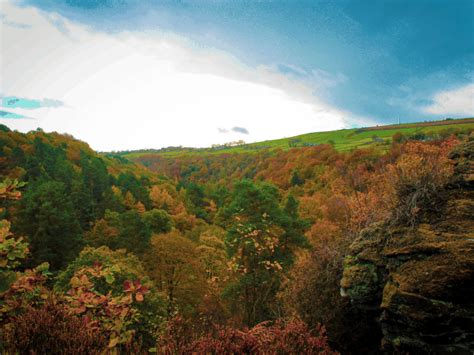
420, 281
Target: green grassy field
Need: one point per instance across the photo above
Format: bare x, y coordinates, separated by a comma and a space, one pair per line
343, 140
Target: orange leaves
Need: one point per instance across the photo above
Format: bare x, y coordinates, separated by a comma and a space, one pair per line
161, 198
255, 243
26, 291
135, 288
139, 297
129, 200
28, 281
182, 219
423, 160
112, 314
271, 265
11, 250
415, 179
113, 342
140, 207
365, 187
8, 189
368, 207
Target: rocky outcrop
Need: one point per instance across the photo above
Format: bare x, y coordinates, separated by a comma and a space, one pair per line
419, 281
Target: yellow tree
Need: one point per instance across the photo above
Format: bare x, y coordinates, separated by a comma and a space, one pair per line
161, 198
130, 201
213, 256
173, 263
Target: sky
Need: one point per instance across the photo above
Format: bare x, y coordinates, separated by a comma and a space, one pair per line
137, 74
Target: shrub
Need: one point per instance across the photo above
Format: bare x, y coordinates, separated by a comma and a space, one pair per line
417, 180
50, 329
398, 138
281, 337
100, 284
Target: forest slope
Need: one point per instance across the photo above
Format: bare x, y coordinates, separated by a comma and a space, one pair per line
234, 252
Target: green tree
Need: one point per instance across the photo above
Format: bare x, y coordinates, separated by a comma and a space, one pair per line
134, 233
127, 230
294, 230
96, 182
83, 202
196, 200
296, 180
260, 241
158, 220
47, 217
105, 231
138, 188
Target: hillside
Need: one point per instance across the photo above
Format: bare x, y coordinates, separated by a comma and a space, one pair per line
280, 165
236, 177
242, 250
342, 140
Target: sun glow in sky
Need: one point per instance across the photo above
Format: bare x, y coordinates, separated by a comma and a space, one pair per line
133, 87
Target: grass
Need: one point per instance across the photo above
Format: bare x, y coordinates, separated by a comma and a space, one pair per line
343, 140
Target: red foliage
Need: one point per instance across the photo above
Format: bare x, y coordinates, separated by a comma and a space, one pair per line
108, 314
51, 329
281, 337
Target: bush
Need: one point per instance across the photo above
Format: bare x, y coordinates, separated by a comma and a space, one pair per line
281, 337
398, 138
106, 275
50, 329
417, 180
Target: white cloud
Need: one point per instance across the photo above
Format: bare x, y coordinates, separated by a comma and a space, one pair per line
456, 102
133, 90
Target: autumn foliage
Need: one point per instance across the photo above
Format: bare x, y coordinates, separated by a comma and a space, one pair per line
51, 328
220, 253
281, 337
417, 179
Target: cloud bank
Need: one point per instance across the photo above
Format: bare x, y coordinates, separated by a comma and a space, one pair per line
132, 90
455, 102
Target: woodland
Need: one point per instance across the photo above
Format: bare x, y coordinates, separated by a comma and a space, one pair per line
225, 253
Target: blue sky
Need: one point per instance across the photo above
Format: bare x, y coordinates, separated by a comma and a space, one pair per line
359, 62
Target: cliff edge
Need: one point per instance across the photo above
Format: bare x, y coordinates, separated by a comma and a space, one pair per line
419, 280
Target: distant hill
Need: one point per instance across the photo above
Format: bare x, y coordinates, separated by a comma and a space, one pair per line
342, 140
